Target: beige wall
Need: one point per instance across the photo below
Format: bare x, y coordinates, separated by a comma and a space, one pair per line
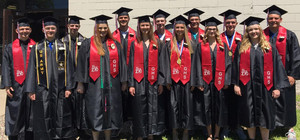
90, 8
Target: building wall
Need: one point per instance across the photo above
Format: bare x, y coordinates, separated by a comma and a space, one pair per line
91, 8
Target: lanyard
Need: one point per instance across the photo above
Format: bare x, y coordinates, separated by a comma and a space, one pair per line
180, 47
227, 40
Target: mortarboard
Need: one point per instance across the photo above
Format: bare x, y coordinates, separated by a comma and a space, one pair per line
142, 19
230, 14
23, 22
252, 21
101, 19
275, 10
74, 19
194, 13
212, 21
49, 21
122, 11
180, 20
160, 14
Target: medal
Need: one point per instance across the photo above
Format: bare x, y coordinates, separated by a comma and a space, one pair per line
179, 61
230, 53
112, 46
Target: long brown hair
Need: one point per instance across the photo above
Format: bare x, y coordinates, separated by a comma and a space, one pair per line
246, 42
186, 38
97, 39
150, 34
218, 39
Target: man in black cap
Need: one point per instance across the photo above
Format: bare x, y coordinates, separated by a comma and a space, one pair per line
161, 33
287, 45
195, 32
49, 86
14, 66
73, 41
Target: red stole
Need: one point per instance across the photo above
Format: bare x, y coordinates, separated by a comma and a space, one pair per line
200, 35
18, 62
268, 68
233, 44
168, 35
280, 41
181, 70
94, 70
207, 66
138, 64
130, 38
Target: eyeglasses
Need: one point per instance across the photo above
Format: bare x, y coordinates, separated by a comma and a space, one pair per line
211, 29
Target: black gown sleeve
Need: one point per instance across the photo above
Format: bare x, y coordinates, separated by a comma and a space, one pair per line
82, 70
235, 77
294, 51
130, 66
122, 63
161, 64
31, 75
196, 71
228, 66
168, 79
6, 69
70, 71
280, 77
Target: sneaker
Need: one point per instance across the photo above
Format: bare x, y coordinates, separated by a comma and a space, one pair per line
291, 135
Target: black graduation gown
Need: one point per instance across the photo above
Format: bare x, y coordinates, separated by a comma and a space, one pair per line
97, 118
52, 114
256, 106
180, 98
18, 112
211, 105
147, 112
286, 104
77, 99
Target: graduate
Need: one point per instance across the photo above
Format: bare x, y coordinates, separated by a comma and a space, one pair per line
287, 45
159, 20
48, 85
258, 76
181, 78
73, 41
216, 74
145, 81
18, 113
102, 68
195, 33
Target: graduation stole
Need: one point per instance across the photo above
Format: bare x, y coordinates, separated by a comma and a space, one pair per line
207, 65
237, 37
77, 43
268, 68
42, 62
168, 35
131, 37
138, 64
180, 66
18, 61
200, 35
280, 41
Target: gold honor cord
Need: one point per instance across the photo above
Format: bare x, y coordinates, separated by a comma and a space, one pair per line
65, 64
46, 64
37, 63
76, 51
70, 42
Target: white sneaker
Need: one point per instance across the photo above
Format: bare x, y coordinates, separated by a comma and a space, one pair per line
291, 135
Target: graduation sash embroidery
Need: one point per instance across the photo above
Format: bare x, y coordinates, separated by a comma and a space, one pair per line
200, 35
168, 35
94, 70
18, 62
131, 37
280, 41
237, 37
113, 57
268, 68
138, 64
180, 66
207, 66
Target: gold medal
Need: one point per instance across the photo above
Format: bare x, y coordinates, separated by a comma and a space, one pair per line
230, 53
179, 61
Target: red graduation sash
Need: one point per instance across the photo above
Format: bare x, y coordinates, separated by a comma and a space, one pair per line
94, 69
234, 42
113, 57
200, 35
207, 66
168, 35
268, 68
138, 63
18, 62
131, 37
280, 41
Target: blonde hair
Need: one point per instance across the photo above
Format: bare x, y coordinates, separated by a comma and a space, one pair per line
186, 38
150, 35
218, 39
246, 42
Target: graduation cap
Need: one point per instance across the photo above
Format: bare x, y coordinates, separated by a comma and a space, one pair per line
142, 19
49, 21
74, 19
230, 14
252, 21
194, 13
101, 19
160, 14
23, 22
180, 20
123, 11
275, 10
212, 21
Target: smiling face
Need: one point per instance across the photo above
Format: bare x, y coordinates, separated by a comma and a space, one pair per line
24, 32
211, 31
179, 30
145, 27
123, 20
160, 23
195, 21
274, 20
103, 29
230, 25
50, 31
254, 31
73, 28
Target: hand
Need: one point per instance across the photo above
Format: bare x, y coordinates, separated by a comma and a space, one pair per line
291, 80
124, 86
67, 93
8, 89
192, 88
31, 96
201, 88
225, 87
169, 86
237, 90
132, 91
275, 93
160, 89
80, 88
